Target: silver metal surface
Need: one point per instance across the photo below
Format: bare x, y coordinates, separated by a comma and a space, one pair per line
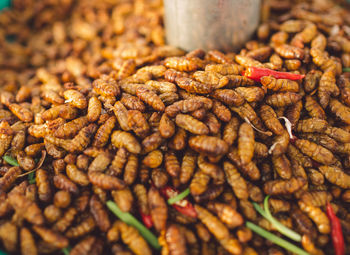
210, 24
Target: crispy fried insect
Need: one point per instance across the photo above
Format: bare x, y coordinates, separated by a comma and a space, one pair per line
21, 112
126, 69
270, 119
238, 184
166, 126
52, 213
316, 178
75, 98
309, 246
153, 159
27, 242
103, 132
251, 94
338, 134
67, 219
210, 194
105, 181
77, 176
64, 111
283, 99
250, 169
289, 52
279, 84
141, 197
292, 64
84, 246
340, 110
184, 106
311, 80
131, 168
25, 162
169, 98
100, 214
34, 149
138, 123
179, 140
62, 199
311, 125
82, 139
132, 102
327, 87
9, 178
43, 184
113, 233
247, 209
221, 111
315, 151
284, 187
260, 54
150, 98
202, 232
26, 208
316, 215
280, 144
226, 214
245, 143
51, 237
228, 97
193, 86
324, 140
282, 166
133, 239
210, 169
86, 225
199, 183
303, 223
175, 240
314, 109
8, 234
122, 115
94, 109
123, 199
62, 182
119, 161
153, 141
100, 162
184, 64
215, 79
162, 86
230, 131
247, 61
336, 176
158, 209
191, 124
295, 154
208, 145
123, 139
106, 87
219, 57
172, 75
224, 69
316, 198
18, 142
247, 111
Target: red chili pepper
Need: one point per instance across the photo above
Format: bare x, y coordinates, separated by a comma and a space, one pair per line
337, 234
146, 219
183, 206
255, 73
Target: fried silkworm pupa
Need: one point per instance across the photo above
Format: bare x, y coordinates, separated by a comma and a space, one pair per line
21, 112
119, 161
52, 213
103, 132
9, 178
158, 209
75, 98
282, 166
86, 225
208, 145
62, 182
150, 98
284, 187
105, 181
184, 106
279, 84
213, 78
340, 110
51, 237
336, 176
172, 75
67, 219
6, 135
123, 198
166, 126
188, 166
191, 124
123, 139
138, 123
338, 134
270, 119
226, 214
43, 184
193, 86
131, 168
184, 64
154, 140
76, 175
176, 240
8, 234
64, 111
100, 214
228, 96
318, 216
84, 246
283, 99
315, 151
62, 199
153, 159
133, 239
106, 87
245, 143
122, 115
210, 169
70, 129
179, 140
27, 242
251, 94
235, 180
132, 102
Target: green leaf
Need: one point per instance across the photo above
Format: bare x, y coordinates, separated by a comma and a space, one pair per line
275, 239
179, 197
12, 161
131, 220
66, 250
347, 69
278, 225
31, 178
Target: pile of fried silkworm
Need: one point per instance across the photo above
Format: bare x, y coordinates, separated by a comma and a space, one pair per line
95, 107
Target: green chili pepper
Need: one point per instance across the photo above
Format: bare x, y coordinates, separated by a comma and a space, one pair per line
179, 197
131, 220
346, 69
275, 239
12, 161
66, 250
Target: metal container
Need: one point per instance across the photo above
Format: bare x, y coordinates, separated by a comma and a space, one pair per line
210, 24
